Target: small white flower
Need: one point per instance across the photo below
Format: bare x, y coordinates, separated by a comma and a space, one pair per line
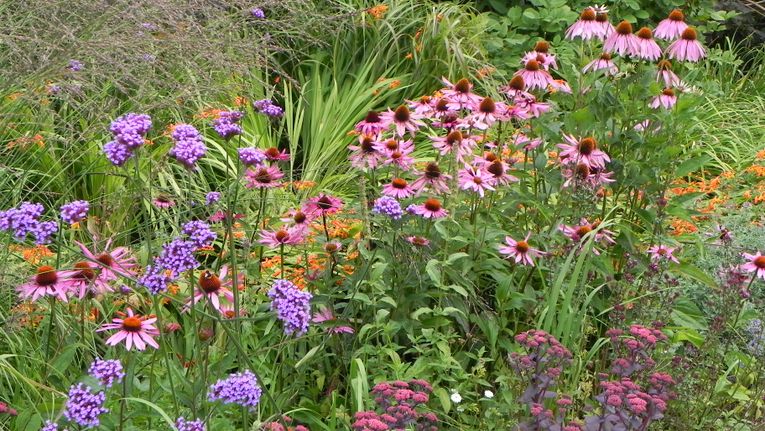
456, 397
488, 394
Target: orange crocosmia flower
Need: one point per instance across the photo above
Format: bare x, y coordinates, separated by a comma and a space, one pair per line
240, 101
485, 71
727, 175
747, 195
209, 113
173, 289
757, 170
680, 227
409, 56
271, 262
33, 255
394, 84
378, 12
303, 185
760, 155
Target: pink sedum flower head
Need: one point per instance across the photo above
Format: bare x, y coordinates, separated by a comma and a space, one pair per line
756, 264
460, 94
84, 280
534, 76
622, 41
586, 27
133, 329
647, 48
667, 99
662, 252
283, 236
584, 150
520, 251
112, 264
263, 177
398, 188
403, 119
476, 179
322, 205
431, 208
604, 62
372, 124
433, 179
666, 74
672, 27
46, 282
216, 290
687, 48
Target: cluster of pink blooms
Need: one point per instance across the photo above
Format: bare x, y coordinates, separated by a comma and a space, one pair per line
398, 402
634, 349
286, 424
625, 405
683, 45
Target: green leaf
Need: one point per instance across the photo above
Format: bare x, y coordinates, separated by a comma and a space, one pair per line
443, 398
692, 165
434, 271
687, 315
307, 356
459, 289
695, 273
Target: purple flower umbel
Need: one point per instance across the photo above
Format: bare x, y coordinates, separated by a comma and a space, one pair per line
292, 306
74, 211
238, 388
84, 407
388, 206
251, 156
189, 147
267, 107
182, 424
258, 13
212, 197
199, 232
107, 371
24, 220
226, 124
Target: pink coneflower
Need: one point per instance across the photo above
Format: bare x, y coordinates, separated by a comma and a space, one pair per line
163, 201
432, 178
647, 48
84, 279
418, 241
584, 150
264, 177
400, 156
547, 61
647, 126
672, 27
756, 264
520, 250
559, 86
134, 329
487, 113
322, 205
431, 208
498, 173
604, 62
601, 18
364, 155
534, 76
532, 106
213, 289
667, 99
475, 179
584, 174
687, 48
372, 124
661, 251
578, 232
441, 108
283, 236
622, 41
274, 155
403, 119
516, 88
299, 219
422, 106
666, 74
455, 140
325, 315
460, 94
398, 188
585, 27
526, 143
46, 282
117, 262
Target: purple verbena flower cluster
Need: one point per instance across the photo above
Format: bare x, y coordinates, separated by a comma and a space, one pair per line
398, 402
257, 13
182, 424
388, 206
189, 147
24, 220
251, 156
267, 107
129, 131
83, 407
292, 306
75, 65
107, 371
226, 124
239, 388
199, 233
212, 197
49, 426
75, 211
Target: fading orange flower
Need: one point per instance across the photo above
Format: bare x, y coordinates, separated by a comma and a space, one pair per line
240, 101
680, 227
303, 185
33, 255
25, 142
378, 12
485, 71
209, 113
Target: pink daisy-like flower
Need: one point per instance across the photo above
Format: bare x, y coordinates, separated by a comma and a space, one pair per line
604, 62
687, 48
666, 74
214, 289
515, 89
756, 264
322, 205
498, 173
534, 76
455, 140
371, 125
325, 315
475, 179
84, 279
398, 188
523, 141
667, 99
418, 241
672, 27
403, 119
521, 251
547, 61
647, 48
163, 201
585, 27
46, 282
422, 106
364, 155
264, 177
487, 113
283, 236
584, 150
601, 17
299, 219
432, 178
578, 232
117, 262
532, 106
559, 86
274, 155
460, 95
584, 174
622, 41
132, 328
431, 208
441, 109
661, 251
400, 156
